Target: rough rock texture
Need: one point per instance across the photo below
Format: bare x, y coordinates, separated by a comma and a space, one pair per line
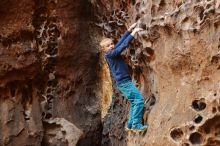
53, 91
176, 64
105, 89
48, 73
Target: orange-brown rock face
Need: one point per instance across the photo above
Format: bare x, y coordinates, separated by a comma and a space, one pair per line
51, 84
48, 74
175, 63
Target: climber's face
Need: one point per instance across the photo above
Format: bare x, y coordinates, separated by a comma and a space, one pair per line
109, 45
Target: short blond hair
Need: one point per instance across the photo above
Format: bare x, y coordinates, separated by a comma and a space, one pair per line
104, 41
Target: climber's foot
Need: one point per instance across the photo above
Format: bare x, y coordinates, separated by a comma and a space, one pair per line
139, 128
128, 129
129, 126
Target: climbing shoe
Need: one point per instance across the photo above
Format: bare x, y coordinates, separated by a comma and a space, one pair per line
129, 126
139, 127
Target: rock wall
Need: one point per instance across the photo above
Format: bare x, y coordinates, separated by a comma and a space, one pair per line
48, 73
55, 88
175, 62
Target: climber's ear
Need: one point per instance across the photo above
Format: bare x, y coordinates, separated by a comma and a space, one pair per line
102, 49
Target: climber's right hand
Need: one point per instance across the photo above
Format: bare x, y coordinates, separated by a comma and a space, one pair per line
132, 27
136, 30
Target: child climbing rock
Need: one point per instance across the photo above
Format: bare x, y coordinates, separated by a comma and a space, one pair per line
119, 70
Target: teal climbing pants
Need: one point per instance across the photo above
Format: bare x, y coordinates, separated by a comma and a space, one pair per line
136, 100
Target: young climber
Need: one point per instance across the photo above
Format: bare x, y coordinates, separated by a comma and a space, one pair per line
119, 70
